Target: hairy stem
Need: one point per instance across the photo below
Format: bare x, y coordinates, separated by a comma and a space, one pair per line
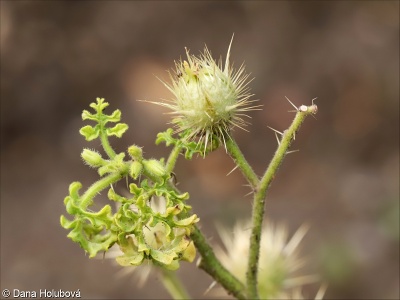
259, 197
100, 185
106, 144
173, 285
173, 157
240, 161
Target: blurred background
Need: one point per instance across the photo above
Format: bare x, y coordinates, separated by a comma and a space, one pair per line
57, 57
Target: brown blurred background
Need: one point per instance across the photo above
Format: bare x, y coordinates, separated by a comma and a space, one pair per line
57, 57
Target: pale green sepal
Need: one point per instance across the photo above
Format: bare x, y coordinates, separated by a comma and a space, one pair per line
189, 254
188, 221
164, 257
131, 256
173, 266
130, 260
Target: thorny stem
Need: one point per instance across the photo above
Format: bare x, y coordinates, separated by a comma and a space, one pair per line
173, 285
259, 197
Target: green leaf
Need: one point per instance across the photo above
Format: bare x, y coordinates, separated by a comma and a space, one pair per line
114, 117
112, 195
135, 190
100, 105
88, 116
183, 143
86, 228
87, 235
126, 219
90, 133
118, 130
166, 137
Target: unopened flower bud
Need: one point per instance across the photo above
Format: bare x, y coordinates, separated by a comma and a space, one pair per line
135, 152
135, 169
154, 168
92, 158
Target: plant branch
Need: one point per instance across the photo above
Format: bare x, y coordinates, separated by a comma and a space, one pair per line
240, 161
259, 197
106, 144
173, 156
100, 185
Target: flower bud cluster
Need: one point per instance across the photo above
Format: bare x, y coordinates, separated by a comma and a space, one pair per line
141, 231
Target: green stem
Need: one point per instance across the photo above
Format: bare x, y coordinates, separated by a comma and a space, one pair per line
173, 285
106, 144
240, 161
210, 264
100, 185
259, 198
172, 159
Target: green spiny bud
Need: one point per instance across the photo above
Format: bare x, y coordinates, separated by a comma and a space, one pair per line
135, 152
154, 168
136, 169
92, 158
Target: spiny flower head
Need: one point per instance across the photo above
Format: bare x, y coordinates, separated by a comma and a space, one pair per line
279, 259
209, 99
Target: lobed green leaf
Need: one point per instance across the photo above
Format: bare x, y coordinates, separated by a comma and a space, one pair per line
118, 130
90, 133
